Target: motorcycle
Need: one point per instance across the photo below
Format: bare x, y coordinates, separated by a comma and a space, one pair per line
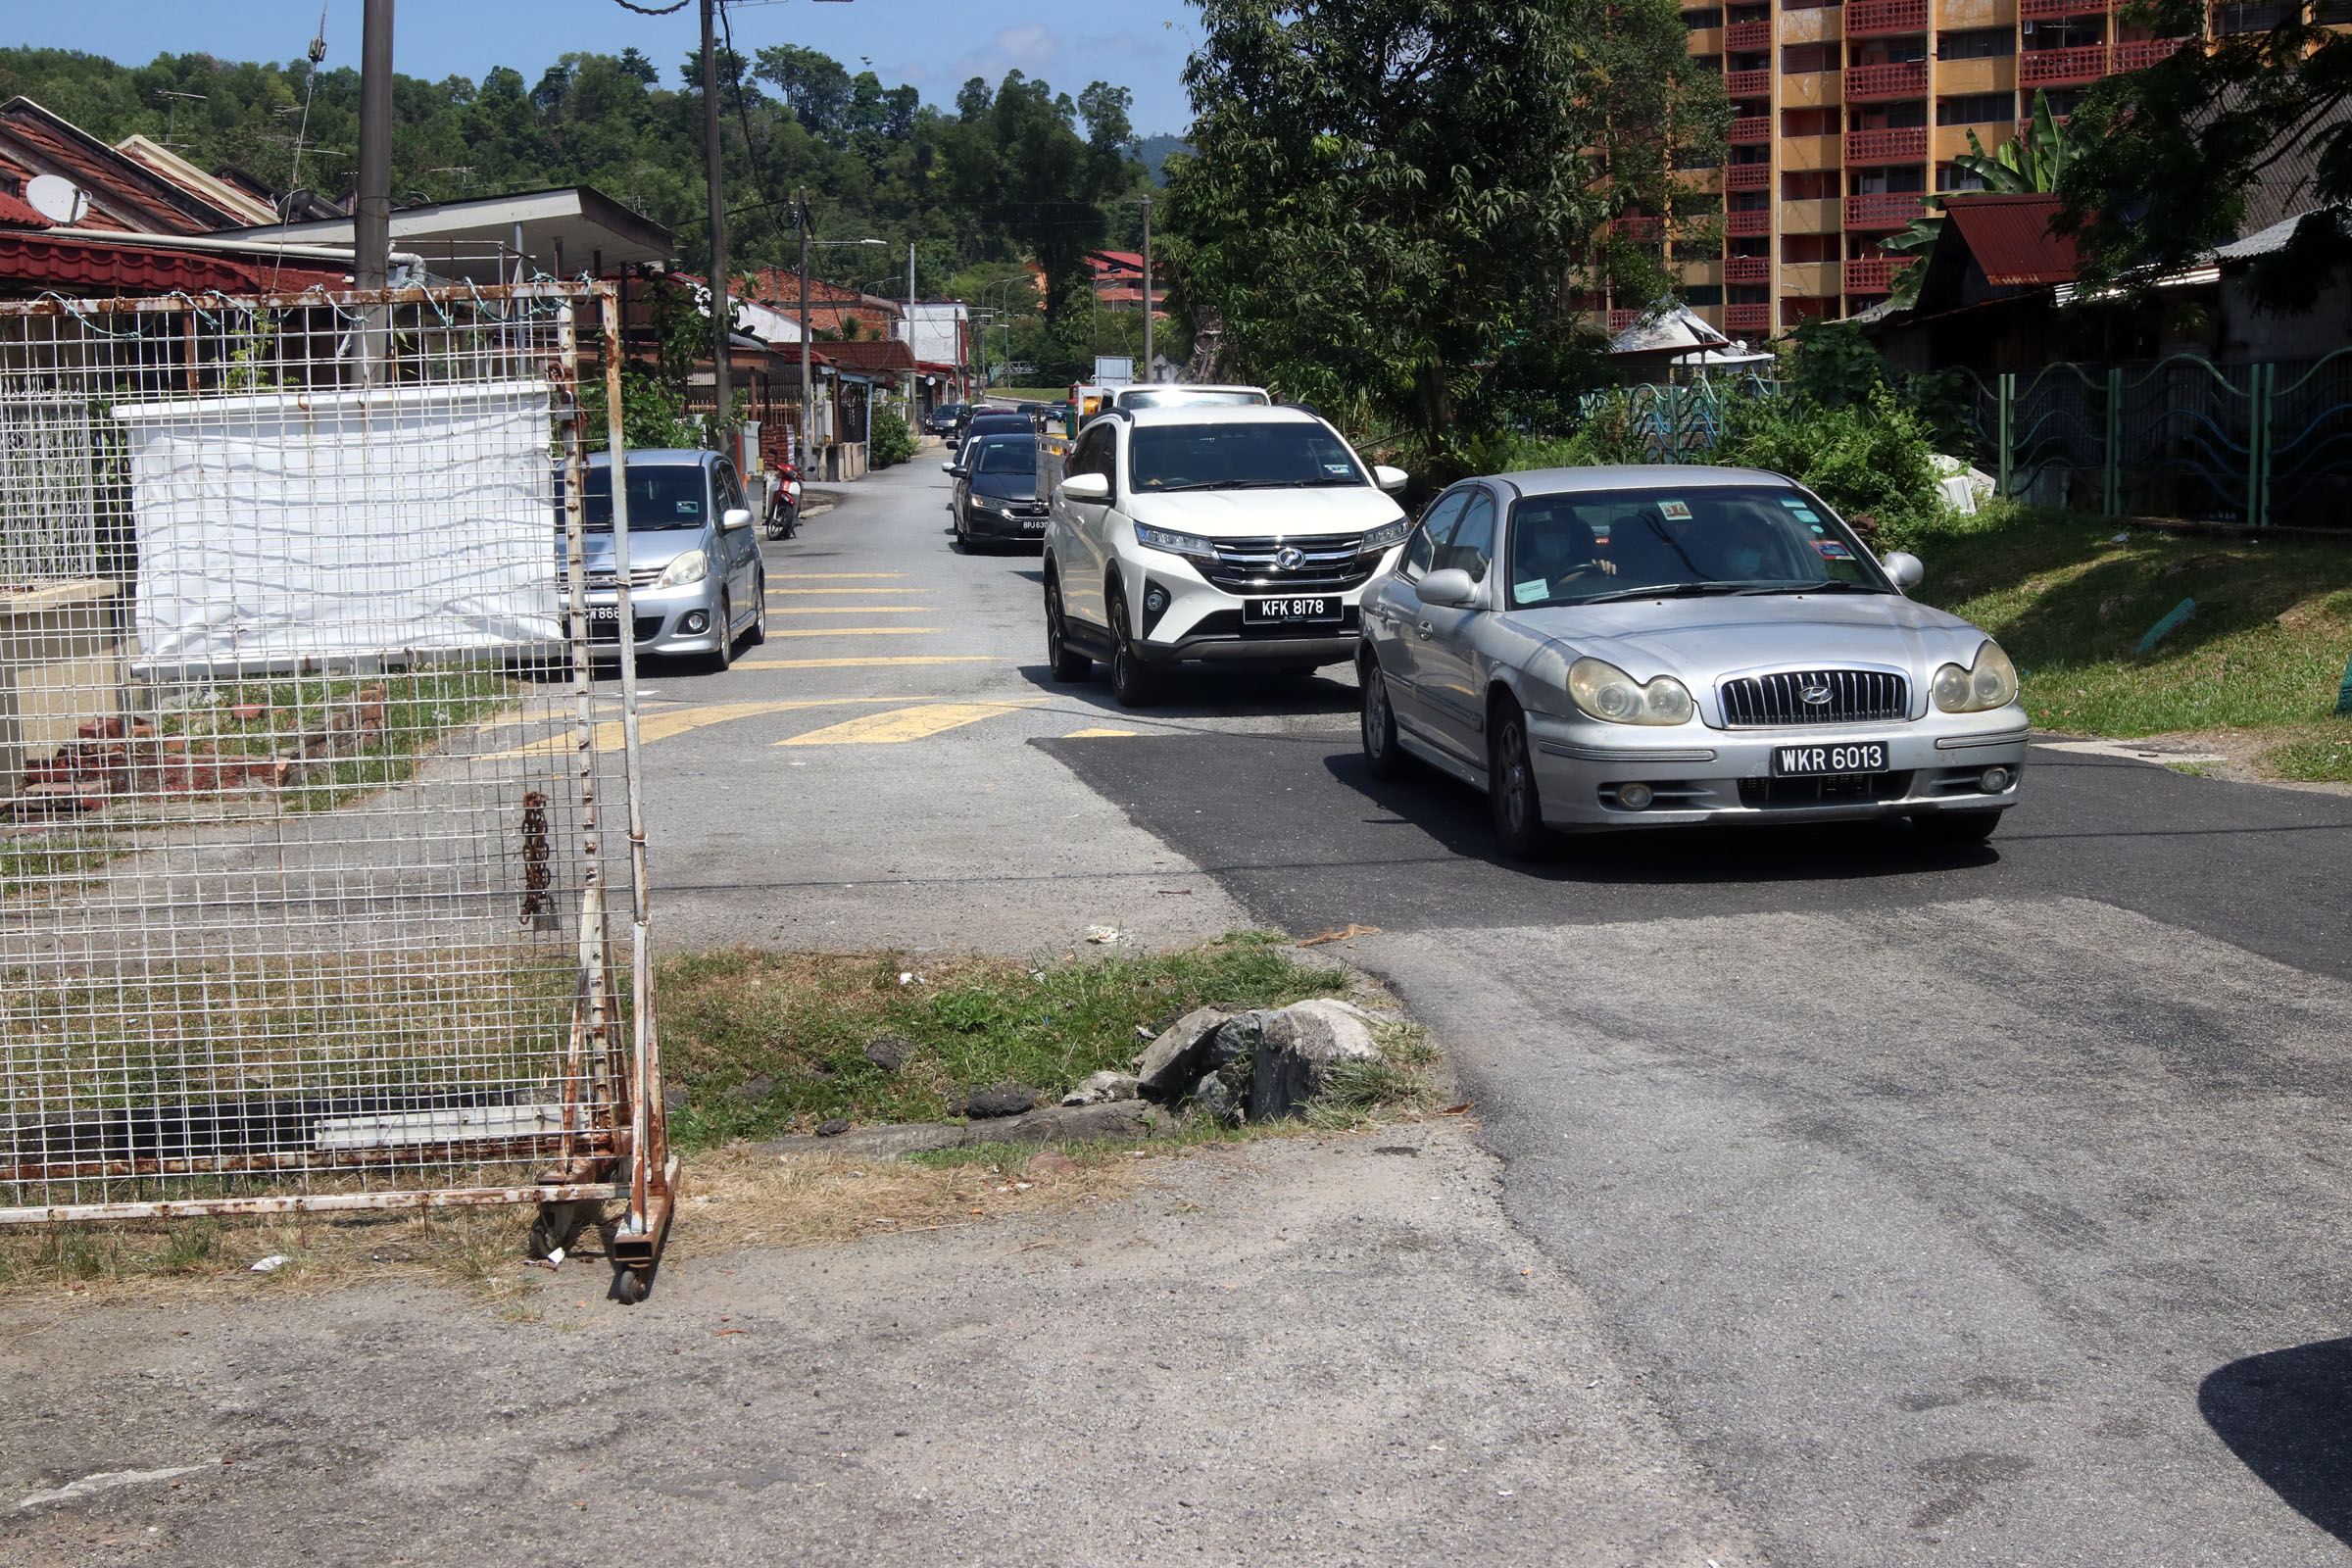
784, 507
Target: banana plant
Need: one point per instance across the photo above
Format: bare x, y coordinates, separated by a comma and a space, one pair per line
2022, 165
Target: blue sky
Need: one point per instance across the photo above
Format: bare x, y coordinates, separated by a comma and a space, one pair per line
935, 44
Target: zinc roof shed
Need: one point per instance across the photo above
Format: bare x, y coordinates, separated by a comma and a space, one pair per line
2009, 236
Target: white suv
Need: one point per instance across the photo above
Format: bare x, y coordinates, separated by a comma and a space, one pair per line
1238, 535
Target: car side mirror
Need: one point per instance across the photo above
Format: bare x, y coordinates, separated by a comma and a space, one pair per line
734, 518
1906, 569
1091, 488
1450, 587
957, 469
947, 468
1390, 479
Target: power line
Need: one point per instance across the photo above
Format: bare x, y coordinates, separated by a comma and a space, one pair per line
651, 11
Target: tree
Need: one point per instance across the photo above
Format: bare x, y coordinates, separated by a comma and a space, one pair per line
2033, 161
1398, 205
2173, 151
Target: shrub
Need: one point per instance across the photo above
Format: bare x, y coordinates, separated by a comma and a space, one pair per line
1868, 459
888, 440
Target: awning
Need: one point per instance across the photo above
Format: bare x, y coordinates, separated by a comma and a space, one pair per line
32, 263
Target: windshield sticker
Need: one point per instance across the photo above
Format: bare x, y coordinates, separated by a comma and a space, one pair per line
1674, 511
1796, 503
1808, 516
1528, 593
688, 508
1833, 550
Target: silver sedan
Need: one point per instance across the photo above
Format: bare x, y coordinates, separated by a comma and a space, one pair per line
1645, 646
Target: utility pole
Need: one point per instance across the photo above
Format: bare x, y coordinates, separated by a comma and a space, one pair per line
800, 211
1147, 372
722, 317
912, 371
372, 205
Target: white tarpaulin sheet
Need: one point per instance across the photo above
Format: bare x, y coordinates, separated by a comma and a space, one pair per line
288, 525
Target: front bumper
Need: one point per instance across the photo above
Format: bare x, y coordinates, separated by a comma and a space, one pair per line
987, 522
1699, 776
1200, 621
668, 620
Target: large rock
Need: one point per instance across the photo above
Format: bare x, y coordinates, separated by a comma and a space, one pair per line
1298, 1046
999, 1099
1117, 1121
1102, 1088
1172, 1064
1216, 1100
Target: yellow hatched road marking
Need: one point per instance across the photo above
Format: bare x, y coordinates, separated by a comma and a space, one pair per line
856, 609
906, 723
845, 663
830, 576
778, 592
1097, 734
662, 727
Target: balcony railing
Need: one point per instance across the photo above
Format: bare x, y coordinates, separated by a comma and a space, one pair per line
1752, 318
1746, 226
2035, 10
1619, 320
1874, 274
1747, 270
1747, 177
1749, 83
1637, 228
1885, 209
1904, 145
1748, 35
2045, 67
1865, 17
1864, 83
1752, 129
2138, 56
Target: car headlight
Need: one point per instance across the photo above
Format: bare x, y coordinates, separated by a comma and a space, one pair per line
1176, 544
690, 565
1990, 682
1606, 692
1387, 534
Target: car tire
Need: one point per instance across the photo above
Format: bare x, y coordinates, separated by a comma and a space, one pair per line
1956, 830
1383, 758
759, 631
719, 658
1513, 801
1065, 663
1132, 681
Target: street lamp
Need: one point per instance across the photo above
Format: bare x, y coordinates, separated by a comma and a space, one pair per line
807, 400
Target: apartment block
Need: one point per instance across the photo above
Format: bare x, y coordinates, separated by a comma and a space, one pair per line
1848, 116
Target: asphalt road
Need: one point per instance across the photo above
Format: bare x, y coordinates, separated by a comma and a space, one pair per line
1975, 1207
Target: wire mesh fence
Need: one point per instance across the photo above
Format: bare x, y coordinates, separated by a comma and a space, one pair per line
316, 806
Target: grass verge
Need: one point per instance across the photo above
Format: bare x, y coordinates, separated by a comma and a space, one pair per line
762, 1043
2263, 653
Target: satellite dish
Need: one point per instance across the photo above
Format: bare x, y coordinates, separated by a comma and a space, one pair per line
56, 198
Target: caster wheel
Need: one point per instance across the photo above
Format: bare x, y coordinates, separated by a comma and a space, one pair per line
630, 1287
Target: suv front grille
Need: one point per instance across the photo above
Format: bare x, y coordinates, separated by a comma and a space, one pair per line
1329, 564
1853, 697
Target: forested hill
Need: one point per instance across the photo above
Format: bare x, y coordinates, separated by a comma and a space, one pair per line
1016, 169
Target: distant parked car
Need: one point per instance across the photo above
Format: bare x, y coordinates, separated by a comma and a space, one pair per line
996, 492
696, 583
1647, 647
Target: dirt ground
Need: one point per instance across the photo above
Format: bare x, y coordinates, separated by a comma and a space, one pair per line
1323, 1349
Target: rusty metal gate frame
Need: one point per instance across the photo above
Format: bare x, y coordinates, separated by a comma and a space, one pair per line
629, 1159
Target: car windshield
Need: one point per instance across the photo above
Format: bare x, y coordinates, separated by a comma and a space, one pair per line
1732, 539
1005, 454
660, 497
1270, 456
1179, 398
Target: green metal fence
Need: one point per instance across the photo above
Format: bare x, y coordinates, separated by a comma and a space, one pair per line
2183, 437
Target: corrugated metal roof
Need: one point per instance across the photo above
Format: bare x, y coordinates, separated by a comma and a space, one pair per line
2010, 237
37, 263
871, 353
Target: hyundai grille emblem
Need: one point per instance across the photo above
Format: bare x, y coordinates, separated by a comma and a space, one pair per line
1817, 695
1289, 558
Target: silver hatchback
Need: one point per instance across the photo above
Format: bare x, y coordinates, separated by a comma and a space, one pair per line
1647, 647
696, 585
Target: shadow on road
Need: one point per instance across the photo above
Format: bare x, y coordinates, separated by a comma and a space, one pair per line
1208, 692
2287, 1416
1455, 816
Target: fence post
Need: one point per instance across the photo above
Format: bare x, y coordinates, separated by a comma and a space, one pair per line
2005, 396
2111, 497
2258, 445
